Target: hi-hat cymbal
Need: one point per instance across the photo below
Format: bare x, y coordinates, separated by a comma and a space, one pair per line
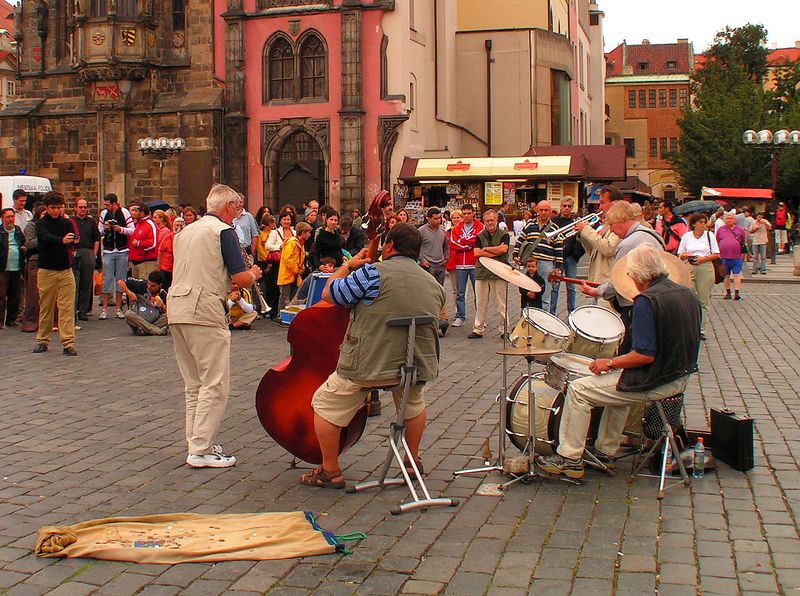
624, 286
527, 351
511, 275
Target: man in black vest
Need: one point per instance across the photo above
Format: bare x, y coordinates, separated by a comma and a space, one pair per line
666, 341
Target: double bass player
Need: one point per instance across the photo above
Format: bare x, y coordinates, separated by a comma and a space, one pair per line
372, 353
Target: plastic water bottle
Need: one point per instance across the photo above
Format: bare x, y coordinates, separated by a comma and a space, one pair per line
670, 458
699, 460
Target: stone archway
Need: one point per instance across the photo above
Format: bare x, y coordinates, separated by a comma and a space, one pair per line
296, 158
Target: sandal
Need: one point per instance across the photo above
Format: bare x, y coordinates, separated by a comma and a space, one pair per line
322, 479
410, 470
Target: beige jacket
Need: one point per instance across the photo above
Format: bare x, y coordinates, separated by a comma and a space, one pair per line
601, 246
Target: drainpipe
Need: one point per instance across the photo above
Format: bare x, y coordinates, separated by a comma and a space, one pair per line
488, 45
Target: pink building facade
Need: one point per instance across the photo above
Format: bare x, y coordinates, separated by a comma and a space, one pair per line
309, 116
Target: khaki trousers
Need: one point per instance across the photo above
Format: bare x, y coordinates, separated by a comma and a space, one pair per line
136, 322
143, 270
484, 289
601, 390
204, 360
703, 279
56, 289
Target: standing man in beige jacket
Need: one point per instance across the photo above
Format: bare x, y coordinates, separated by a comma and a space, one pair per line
207, 258
600, 244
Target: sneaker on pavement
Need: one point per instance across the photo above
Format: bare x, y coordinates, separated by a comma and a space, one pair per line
211, 460
604, 459
40, 348
119, 314
103, 316
473, 335
69, 352
458, 322
556, 464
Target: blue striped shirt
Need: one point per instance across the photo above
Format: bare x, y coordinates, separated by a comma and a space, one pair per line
362, 285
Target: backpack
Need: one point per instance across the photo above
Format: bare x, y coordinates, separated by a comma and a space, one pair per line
144, 309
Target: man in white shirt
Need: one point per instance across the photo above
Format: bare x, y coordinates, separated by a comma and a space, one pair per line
21, 215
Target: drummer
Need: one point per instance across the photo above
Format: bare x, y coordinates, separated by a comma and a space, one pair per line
662, 357
626, 224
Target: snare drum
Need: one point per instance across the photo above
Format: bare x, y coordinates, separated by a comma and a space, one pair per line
565, 368
545, 331
597, 331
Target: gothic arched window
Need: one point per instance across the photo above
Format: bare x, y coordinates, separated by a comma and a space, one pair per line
313, 67
280, 70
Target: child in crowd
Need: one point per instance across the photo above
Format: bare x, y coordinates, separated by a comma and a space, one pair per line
240, 307
293, 257
326, 265
527, 297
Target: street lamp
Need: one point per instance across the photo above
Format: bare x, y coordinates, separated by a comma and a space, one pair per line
160, 149
766, 139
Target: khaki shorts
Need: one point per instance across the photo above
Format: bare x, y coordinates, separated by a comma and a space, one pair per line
338, 399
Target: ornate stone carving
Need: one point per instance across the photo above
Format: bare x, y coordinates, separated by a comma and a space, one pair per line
90, 74
269, 133
290, 3
387, 127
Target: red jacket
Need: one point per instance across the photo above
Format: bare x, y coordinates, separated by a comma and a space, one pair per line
671, 233
143, 243
462, 244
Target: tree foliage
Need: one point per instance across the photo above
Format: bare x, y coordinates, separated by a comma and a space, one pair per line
729, 97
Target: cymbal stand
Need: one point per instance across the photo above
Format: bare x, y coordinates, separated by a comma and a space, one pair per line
501, 401
530, 444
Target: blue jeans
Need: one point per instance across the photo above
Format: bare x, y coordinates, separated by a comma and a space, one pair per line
545, 267
760, 258
115, 268
569, 269
461, 291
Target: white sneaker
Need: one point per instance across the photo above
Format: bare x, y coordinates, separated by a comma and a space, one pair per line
103, 316
458, 322
120, 315
211, 460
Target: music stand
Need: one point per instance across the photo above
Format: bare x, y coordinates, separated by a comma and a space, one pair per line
398, 447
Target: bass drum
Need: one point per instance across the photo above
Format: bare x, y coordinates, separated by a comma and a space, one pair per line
549, 405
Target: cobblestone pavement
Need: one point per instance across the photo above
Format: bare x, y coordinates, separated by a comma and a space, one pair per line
102, 435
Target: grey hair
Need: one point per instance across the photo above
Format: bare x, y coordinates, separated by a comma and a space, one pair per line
620, 211
645, 263
219, 196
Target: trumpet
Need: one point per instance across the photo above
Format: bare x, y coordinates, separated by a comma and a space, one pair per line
568, 231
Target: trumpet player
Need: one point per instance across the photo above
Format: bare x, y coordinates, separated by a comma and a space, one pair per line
548, 251
601, 243
573, 251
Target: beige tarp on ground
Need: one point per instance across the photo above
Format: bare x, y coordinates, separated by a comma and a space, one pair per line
189, 538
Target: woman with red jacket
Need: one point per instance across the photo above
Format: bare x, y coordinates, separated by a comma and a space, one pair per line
165, 258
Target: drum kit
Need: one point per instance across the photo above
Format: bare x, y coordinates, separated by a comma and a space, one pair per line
530, 410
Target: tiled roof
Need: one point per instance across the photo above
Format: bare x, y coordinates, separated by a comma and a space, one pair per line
7, 17
783, 55
654, 56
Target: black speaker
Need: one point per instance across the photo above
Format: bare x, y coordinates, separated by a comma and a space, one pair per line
732, 439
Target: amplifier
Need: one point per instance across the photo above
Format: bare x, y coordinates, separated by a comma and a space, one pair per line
732, 439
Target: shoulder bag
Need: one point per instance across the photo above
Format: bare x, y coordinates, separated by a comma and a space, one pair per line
719, 266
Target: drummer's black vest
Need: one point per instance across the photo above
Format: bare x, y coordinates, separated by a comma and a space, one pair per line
677, 316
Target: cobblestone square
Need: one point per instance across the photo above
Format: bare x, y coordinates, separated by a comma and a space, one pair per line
102, 435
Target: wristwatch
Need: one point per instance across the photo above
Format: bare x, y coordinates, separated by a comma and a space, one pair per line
610, 364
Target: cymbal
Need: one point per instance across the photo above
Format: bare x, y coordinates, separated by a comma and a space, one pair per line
624, 286
510, 274
527, 351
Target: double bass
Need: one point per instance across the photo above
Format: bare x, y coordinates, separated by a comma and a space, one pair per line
283, 397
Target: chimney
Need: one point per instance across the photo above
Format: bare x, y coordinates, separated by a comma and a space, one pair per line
683, 40
645, 42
